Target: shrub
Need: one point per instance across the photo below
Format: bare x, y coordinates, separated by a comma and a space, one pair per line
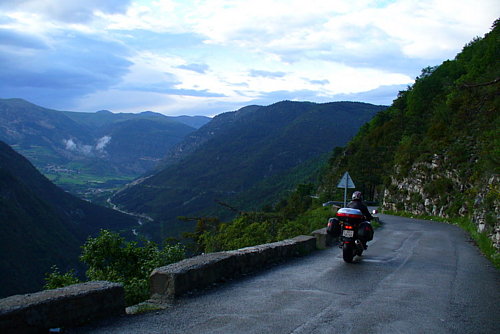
109, 257
56, 279
291, 229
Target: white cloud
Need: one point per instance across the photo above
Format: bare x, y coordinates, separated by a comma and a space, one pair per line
157, 16
102, 142
67, 10
70, 145
172, 55
426, 28
436, 28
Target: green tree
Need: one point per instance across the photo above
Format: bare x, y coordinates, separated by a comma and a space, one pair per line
110, 257
203, 225
56, 279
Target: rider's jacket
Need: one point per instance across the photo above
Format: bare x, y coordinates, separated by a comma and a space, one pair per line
357, 204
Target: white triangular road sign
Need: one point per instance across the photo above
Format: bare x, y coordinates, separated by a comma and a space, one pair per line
346, 181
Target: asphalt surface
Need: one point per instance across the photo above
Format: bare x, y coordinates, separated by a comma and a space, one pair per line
416, 277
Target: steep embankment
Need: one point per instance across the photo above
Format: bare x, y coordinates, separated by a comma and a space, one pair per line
229, 156
41, 225
436, 150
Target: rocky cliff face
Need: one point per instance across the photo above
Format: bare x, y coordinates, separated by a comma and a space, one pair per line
486, 208
437, 188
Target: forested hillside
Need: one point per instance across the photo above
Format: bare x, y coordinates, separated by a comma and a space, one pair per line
241, 158
41, 225
436, 150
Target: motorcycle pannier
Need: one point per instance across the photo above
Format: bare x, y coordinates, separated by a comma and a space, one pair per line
333, 227
365, 231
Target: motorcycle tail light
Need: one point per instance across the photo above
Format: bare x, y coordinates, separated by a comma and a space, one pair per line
349, 227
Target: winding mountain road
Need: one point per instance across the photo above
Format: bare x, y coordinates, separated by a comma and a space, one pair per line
416, 277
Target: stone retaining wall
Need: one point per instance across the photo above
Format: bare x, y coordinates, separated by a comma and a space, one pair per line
323, 239
81, 303
64, 307
201, 271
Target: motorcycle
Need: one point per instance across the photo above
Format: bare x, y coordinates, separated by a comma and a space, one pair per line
354, 232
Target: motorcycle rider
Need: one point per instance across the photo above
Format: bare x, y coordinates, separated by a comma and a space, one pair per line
357, 203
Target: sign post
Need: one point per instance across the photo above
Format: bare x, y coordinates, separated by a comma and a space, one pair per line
346, 182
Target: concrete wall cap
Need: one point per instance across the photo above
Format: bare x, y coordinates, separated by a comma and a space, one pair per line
21, 301
192, 263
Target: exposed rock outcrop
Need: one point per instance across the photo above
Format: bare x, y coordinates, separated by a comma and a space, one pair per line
437, 188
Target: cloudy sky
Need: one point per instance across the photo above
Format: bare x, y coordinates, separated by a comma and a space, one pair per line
204, 57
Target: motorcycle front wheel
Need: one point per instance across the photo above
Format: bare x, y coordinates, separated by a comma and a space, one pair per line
348, 252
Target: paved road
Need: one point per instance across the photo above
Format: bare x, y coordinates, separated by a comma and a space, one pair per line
416, 277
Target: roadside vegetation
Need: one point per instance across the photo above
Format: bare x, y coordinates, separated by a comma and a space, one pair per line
297, 214
110, 257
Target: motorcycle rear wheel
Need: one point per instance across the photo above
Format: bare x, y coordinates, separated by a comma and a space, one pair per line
348, 252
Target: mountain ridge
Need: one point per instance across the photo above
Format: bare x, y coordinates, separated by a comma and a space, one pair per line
227, 156
81, 151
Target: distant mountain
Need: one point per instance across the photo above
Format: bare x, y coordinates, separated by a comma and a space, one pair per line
105, 117
81, 150
41, 225
26, 125
228, 157
198, 138
193, 121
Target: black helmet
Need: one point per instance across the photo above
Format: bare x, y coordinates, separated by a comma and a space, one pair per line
357, 195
